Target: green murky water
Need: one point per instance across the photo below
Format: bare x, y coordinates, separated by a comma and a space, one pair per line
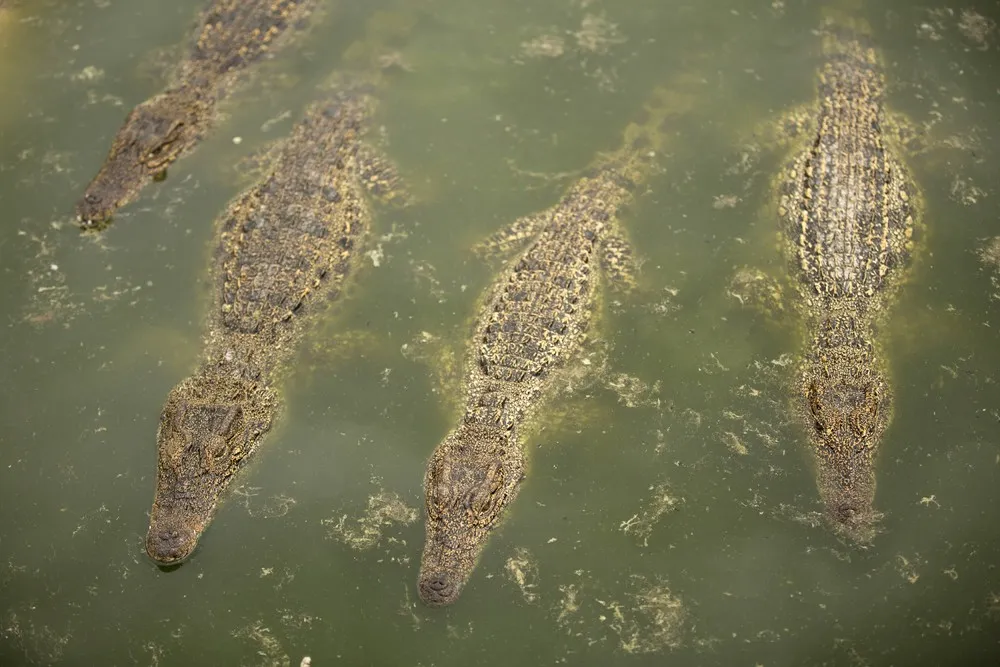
670, 511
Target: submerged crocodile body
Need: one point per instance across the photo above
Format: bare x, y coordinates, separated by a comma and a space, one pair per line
287, 245
533, 320
847, 207
233, 35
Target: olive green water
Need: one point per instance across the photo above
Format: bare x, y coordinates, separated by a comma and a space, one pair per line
669, 513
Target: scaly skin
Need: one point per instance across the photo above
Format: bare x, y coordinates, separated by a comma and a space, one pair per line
234, 34
847, 207
534, 319
287, 246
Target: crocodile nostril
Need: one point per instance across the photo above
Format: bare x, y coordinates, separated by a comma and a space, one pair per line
436, 591
169, 535
846, 512
170, 545
91, 198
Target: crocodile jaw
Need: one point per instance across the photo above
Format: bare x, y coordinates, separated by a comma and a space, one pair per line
471, 479
209, 428
172, 537
186, 499
850, 421
451, 550
849, 499
118, 181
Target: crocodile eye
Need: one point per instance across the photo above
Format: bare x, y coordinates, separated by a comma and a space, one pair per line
166, 149
226, 427
483, 508
485, 502
175, 439
815, 407
859, 424
494, 478
864, 417
485, 497
159, 156
437, 496
216, 447
441, 495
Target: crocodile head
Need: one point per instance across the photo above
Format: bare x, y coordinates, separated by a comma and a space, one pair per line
849, 417
470, 479
155, 134
208, 429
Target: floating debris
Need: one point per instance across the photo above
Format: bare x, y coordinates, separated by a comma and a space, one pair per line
365, 532
545, 46
642, 523
522, 569
270, 651
976, 28
654, 622
725, 201
633, 392
597, 34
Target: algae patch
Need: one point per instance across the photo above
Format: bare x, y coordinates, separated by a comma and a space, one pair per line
362, 533
976, 28
641, 524
522, 569
633, 392
269, 648
38, 642
989, 256
654, 622
649, 619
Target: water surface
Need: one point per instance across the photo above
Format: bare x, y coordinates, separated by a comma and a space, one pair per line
670, 511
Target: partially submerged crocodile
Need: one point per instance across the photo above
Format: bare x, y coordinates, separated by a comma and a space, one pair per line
287, 245
533, 320
847, 208
233, 35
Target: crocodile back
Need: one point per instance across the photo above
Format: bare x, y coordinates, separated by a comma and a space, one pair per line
235, 33
537, 311
293, 235
542, 305
847, 201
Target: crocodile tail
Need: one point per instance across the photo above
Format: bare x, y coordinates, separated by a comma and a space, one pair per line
844, 32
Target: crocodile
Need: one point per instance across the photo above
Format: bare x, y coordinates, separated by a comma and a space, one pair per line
233, 35
847, 207
531, 322
287, 246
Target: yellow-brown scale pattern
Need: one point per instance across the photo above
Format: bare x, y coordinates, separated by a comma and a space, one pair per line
534, 319
286, 247
237, 32
167, 126
848, 210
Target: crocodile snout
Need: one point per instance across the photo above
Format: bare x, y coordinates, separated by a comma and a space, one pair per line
94, 210
170, 545
436, 590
